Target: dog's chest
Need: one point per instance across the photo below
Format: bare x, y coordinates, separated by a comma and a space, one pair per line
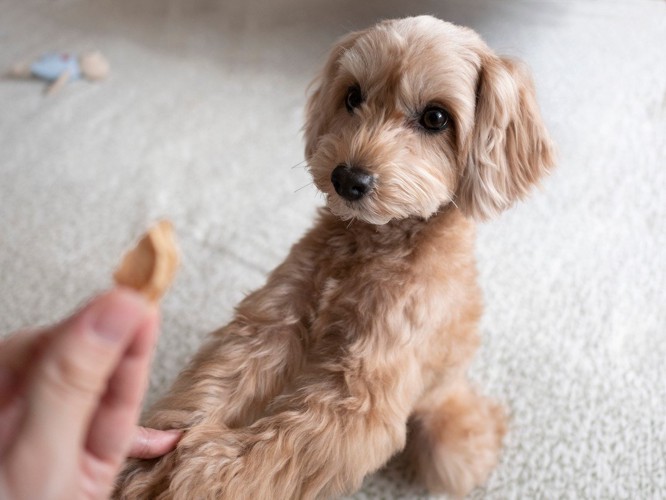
350, 268
330, 288
410, 280
354, 282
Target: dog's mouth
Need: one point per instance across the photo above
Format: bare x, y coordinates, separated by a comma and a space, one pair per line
365, 208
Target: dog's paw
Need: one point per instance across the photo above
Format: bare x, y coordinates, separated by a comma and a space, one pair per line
459, 442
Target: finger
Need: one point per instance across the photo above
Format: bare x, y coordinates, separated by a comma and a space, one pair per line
71, 375
11, 415
114, 422
153, 443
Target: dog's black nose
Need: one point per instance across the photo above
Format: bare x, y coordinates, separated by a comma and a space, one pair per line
352, 183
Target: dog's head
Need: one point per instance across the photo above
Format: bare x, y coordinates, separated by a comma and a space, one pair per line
413, 114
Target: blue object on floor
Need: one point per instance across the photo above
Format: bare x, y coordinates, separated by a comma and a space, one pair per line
50, 66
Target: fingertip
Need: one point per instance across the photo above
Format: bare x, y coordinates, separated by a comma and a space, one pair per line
149, 309
153, 443
118, 312
170, 439
129, 296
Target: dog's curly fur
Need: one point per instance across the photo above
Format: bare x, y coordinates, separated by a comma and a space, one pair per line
357, 346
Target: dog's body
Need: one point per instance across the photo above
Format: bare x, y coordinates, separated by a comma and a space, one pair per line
368, 327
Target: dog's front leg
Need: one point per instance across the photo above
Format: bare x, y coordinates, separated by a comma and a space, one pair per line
248, 362
320, 445
227, 384
232, 378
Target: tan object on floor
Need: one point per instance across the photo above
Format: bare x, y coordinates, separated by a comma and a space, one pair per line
150, 266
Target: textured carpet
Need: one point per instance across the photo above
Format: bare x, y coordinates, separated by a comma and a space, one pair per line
200, 123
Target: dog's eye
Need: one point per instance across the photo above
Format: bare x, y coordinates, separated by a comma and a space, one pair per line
434, 119
354, 98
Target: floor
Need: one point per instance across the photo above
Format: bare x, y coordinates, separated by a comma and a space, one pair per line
200, 123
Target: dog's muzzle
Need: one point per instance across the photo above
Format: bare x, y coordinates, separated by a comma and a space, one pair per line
352, 183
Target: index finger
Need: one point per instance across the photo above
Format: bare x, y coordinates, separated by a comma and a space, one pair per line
153, 443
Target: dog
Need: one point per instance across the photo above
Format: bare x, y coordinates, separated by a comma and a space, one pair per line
357, 346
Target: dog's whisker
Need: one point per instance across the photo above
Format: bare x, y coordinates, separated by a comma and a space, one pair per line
300, 164
303, 187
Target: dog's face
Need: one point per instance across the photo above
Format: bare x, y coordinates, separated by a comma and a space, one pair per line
413, 114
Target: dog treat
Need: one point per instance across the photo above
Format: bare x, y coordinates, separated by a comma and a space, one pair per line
150, 267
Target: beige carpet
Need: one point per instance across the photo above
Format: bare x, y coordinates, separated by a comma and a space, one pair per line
200, 122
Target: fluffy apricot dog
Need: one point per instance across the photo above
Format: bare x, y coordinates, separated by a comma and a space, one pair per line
358, 345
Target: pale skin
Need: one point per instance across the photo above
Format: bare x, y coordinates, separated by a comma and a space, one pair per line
70, 397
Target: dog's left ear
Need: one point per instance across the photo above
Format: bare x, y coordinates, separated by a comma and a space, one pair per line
321, 101
509, 149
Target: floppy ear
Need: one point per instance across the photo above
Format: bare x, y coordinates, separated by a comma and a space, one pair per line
509, 149
320, 99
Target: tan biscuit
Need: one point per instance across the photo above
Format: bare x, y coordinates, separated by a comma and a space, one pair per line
150, 267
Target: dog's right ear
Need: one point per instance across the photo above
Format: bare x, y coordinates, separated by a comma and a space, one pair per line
323, 99
509, 149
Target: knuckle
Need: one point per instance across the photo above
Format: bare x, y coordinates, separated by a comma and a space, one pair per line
71, 376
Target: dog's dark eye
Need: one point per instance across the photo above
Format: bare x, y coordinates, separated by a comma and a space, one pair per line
434, 119
354, 98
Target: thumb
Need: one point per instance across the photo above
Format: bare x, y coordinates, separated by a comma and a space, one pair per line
71, 374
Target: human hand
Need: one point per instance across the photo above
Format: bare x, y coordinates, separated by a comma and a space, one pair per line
70, 397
